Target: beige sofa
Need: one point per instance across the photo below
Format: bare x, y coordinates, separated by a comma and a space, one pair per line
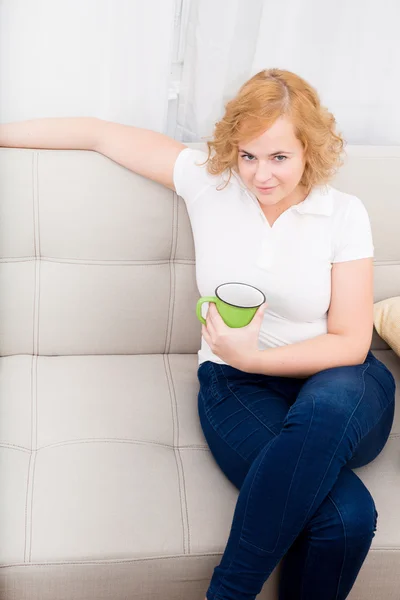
108, 490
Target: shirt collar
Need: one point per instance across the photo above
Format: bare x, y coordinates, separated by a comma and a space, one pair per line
318, 202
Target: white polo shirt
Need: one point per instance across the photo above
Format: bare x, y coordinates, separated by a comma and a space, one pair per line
290, 262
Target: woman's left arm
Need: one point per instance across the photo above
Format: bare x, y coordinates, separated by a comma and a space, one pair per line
350, 327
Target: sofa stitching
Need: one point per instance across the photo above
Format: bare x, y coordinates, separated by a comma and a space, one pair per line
171, 291
124, 441
184, 497
102, 261
169, 323
15, 447
120, 441
34, 445
28, 498
36, 330
33, 351
171, 303
178, 458
130, 262
26, 506
173, 262
31, 480
105, 562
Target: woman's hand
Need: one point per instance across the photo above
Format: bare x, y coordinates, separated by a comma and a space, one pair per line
237, 347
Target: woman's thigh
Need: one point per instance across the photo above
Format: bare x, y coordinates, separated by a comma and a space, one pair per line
358, 401
240, 413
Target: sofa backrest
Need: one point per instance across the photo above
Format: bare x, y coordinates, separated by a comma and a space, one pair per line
95, 259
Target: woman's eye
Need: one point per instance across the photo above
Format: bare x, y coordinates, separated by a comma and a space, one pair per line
249, 157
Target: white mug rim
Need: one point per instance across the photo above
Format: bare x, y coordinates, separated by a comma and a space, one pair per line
244, 284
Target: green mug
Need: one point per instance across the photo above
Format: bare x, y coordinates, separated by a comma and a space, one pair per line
237, 303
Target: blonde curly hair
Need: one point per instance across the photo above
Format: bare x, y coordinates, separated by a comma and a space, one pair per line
264, 98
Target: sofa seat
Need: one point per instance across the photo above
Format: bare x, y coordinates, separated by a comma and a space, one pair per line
109, 485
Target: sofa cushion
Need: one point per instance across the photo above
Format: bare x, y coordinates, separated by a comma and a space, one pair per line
387, 321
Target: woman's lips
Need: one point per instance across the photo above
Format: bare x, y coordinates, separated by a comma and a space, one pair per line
266, 189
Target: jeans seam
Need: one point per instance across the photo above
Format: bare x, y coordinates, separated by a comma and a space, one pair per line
374, 425
211, 422
245, 510
326, 471
338, 444
246, 407
322, 480
290, 486
379, 381
214, 379
248, 462
380, 365
345, 544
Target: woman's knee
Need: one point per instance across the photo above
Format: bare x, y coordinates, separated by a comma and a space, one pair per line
355, 513
358, 520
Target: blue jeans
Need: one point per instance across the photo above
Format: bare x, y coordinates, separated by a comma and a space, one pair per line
289, 445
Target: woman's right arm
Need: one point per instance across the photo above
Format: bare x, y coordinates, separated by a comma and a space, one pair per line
143, 151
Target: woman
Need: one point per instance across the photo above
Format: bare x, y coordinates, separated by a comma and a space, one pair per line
290, 404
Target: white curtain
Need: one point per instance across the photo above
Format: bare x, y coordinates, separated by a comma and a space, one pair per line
171, 65
104, 58
349, 50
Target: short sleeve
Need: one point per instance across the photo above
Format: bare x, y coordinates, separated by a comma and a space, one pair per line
190, 176
354, 234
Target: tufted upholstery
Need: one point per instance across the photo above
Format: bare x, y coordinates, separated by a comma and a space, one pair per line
107, 487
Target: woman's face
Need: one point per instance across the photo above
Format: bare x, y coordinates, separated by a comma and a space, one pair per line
274, 160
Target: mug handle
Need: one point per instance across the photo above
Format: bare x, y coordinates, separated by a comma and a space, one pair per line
200, 303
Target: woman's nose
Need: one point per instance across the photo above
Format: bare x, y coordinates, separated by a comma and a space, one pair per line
263, 174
